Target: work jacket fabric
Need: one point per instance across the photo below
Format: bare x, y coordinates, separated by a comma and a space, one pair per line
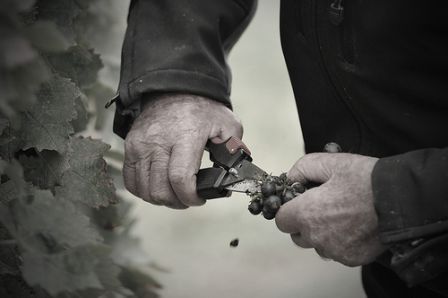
369, 75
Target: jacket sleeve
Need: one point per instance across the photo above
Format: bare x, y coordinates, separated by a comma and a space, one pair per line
178, 46
411, 199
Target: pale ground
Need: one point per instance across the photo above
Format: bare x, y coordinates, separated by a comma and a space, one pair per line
194, 244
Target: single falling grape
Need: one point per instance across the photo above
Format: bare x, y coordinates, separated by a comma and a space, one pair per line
234, 242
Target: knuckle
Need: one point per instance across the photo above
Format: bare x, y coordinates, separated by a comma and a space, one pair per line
176, 205
130, 145
314, 239
178, 177
151, 200
161, 197
349, 261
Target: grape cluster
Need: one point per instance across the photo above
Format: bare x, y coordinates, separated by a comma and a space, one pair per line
275, 191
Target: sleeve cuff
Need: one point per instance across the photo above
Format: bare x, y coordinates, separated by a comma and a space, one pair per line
175, 81
410, 193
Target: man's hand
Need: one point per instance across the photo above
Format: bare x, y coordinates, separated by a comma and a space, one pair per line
163, 150
337, 218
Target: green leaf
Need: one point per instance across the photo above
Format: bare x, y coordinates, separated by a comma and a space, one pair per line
82, 119
79, 64
45, 36
46, 125
62, 12
8, 192
44, 170
79, 175
142, 284
63, 225
4, 123
19, 86
14, 171
99, 94
14, 287
68, 271
86, 179
9, 261
15, 50
16, 5
108, 273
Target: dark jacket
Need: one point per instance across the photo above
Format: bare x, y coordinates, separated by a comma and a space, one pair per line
374, 74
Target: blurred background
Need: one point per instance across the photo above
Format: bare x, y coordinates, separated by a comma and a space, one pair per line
191, 248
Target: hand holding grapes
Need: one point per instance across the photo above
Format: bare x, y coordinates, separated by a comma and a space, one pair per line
337, 218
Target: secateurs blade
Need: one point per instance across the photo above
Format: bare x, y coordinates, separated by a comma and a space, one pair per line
232, 170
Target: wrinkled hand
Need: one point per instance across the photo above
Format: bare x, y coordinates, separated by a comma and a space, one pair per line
337, 218
163, 150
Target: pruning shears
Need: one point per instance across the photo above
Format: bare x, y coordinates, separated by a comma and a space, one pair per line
232, 170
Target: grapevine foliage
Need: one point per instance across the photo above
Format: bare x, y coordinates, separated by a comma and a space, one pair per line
62, 227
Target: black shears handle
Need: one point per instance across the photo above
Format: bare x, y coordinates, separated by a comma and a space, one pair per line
225, 156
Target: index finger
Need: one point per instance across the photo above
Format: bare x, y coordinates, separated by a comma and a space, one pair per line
184, 164
311, 167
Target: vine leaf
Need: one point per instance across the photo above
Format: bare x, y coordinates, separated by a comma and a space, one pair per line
68, 271
4, 123
82, 119
45, 169
85, 179
79, 175
45, 36
99, 94
63, 225
19, 5
61, 250
77, 63
63, 13
15, 50
87, 268
19, 86
46, 125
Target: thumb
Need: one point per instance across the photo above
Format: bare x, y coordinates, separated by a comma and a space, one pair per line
314, 167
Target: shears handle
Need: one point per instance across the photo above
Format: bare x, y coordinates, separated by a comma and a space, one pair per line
224, 156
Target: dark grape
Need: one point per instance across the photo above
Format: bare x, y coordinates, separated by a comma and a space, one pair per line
255, 207
272, 204
277, 190
268, 215
298, 187
268, 188
287, 196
